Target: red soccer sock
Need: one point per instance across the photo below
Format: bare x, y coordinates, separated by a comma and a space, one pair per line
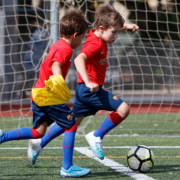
36, 134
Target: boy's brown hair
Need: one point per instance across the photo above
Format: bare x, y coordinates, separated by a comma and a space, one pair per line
108, 16
73, 22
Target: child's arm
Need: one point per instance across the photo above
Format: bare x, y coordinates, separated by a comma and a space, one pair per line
81, 68
130, 27
56, 68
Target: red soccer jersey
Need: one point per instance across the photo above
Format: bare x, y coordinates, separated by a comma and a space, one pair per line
96, 63
60, 51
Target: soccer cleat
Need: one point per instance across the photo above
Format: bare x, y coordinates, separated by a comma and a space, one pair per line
34, 150
95, 144
1, 133
74, 171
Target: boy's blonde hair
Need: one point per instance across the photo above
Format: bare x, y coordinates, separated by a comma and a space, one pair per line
108, 16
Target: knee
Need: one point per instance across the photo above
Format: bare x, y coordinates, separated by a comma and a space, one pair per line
123, 110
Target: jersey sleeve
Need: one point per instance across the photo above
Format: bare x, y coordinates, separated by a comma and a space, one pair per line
90, 49
62, 57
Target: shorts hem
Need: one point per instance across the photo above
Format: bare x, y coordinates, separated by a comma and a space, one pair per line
81, 115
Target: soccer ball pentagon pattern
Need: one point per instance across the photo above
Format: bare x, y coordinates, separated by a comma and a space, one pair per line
140, 158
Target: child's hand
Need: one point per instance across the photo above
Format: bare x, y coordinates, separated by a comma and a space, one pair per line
92, 86
131, 27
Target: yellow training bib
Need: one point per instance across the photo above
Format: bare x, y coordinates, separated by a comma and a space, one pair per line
55, 92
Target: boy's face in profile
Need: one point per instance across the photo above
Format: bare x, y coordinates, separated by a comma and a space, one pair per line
109, 35
78, 40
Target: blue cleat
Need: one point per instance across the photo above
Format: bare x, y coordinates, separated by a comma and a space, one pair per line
34, 150
74, 172
95, 144
1, 133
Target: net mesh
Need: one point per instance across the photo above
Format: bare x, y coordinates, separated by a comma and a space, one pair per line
143, 68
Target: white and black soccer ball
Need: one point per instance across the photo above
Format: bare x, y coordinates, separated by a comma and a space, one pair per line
140, 158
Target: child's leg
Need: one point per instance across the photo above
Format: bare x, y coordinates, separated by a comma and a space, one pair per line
112, 120
52, 133
20, 134
79, 120
95, 138
68, 169
37, 145
68, 146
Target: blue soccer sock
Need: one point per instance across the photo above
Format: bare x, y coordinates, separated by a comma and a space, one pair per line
52, 133
17, 134
68, 147
111, 121
105, 127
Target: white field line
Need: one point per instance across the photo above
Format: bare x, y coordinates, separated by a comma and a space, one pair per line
114, 165
104, 147
137, 135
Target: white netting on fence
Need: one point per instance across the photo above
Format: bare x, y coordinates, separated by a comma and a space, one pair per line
143, 68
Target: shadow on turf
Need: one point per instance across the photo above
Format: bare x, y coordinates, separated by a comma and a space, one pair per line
111, 173
29, 175
108, 174
165, 168
42, 167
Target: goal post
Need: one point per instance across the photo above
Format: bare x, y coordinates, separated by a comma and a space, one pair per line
143, 68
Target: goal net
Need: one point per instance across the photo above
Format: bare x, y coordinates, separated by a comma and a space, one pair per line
143, 68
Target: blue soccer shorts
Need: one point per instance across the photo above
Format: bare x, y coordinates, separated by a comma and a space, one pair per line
88, 103
61, 114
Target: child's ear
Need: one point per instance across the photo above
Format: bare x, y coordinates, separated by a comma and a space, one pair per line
74, 35
101, 29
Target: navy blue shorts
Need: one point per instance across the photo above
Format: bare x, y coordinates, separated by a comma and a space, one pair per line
61, 114
88, 103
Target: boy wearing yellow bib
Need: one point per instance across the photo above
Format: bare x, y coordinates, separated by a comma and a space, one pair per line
50, 95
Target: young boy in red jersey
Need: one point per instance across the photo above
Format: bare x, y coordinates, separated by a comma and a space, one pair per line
50, 94
91, 65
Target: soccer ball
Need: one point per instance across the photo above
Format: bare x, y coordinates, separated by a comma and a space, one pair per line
140, 158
